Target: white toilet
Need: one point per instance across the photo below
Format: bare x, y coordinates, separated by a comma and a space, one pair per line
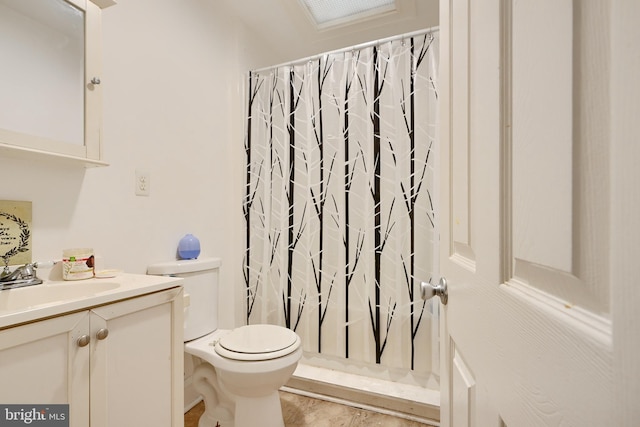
245, 367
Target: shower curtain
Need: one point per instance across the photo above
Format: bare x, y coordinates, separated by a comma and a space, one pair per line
339, 200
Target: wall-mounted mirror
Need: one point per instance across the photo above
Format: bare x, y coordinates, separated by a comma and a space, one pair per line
50, 56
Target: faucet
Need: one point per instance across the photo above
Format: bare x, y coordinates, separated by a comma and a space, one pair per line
21, 276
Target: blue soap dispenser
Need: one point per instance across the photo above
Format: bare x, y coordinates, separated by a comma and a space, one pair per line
189, 247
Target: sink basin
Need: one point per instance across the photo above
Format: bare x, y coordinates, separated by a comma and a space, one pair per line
31, 296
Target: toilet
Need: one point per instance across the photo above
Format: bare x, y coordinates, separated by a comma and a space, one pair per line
243, 368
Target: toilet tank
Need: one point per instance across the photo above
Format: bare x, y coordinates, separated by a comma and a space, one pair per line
201, 285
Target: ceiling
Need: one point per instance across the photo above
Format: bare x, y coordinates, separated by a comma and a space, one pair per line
286, 26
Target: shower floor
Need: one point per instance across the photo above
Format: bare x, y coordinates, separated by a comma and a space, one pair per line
401, 400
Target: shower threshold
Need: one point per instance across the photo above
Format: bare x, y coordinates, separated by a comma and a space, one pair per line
401, 400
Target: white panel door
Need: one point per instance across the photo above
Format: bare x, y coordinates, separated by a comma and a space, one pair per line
533, 127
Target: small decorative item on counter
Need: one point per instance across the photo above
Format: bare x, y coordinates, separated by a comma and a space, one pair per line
78, 264
189, 247
107, 274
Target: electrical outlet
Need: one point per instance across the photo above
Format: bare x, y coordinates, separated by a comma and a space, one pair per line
143, 183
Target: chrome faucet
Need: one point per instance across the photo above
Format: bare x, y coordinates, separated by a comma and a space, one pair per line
21, 276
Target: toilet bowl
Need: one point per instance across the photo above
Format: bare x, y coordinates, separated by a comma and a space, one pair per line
243, 368
251, 363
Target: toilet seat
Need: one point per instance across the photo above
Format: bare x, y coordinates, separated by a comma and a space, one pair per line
257, 342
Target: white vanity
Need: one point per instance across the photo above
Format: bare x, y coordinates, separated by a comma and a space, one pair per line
110, 348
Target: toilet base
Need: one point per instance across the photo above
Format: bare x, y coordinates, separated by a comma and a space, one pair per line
218, 408
212, 420
263, 411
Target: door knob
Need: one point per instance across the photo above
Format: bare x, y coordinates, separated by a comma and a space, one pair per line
429, 291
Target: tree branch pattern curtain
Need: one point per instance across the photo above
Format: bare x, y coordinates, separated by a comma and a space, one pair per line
339, 200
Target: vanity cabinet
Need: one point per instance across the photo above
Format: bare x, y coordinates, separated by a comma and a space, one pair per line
118, 364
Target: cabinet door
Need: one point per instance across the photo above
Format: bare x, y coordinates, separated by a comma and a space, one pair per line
42, 363
137, 368
30, 125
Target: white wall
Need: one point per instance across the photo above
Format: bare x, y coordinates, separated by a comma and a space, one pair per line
173, 104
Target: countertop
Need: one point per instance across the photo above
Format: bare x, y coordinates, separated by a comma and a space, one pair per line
55, 297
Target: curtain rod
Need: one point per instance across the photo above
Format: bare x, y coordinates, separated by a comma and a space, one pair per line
348, 49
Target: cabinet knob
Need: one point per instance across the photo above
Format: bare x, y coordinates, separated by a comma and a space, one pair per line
102, 333
83, 341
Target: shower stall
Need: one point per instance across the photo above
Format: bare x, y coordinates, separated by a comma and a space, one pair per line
340, 207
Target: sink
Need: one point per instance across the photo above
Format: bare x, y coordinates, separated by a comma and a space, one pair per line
31, 296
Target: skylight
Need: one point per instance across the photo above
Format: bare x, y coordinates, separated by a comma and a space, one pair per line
327, 13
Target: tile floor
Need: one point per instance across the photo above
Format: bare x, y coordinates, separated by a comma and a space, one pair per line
301, 411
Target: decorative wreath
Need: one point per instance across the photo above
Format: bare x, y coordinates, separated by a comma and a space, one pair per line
24, 236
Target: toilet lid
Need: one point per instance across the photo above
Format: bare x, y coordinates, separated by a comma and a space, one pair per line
254, 342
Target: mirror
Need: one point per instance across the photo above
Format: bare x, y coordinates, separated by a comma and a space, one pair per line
46, 99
